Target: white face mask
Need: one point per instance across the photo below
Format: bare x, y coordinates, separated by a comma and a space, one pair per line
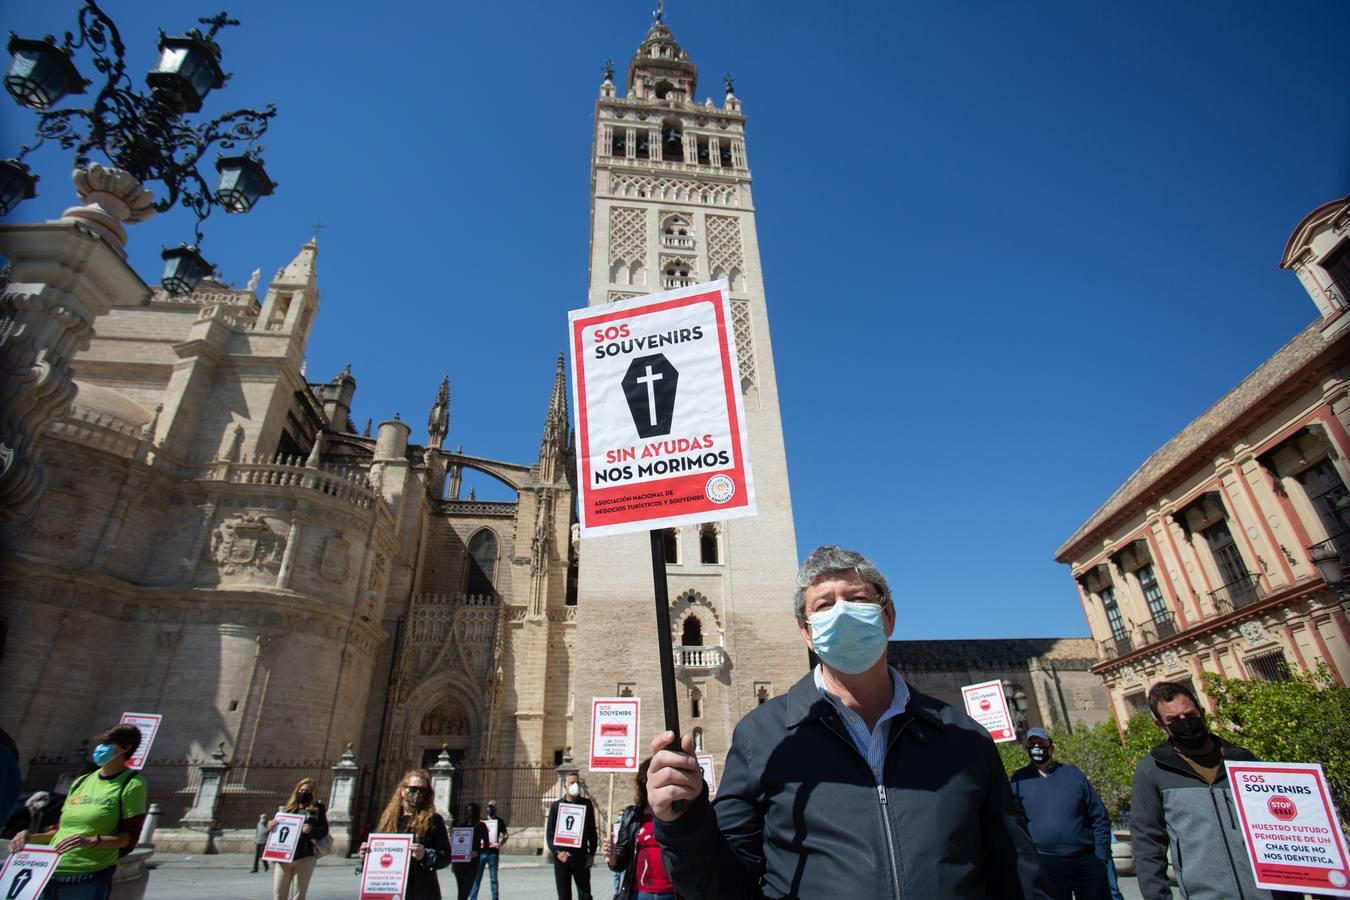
573, 789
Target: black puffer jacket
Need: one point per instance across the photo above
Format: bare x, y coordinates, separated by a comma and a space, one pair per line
799, 813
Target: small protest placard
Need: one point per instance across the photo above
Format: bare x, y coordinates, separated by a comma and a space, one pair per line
986, 704
571, 824
1294, 841
384, 875
705, 765
661, 432
148, 723
461, 845
283, 838
493, 829
614, 733
27, 872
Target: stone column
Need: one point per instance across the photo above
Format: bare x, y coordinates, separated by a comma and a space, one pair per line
342, 801
443, 782
63, 275
202, 816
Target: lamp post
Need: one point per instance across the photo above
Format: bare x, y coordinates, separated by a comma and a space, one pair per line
64, 274
144, 134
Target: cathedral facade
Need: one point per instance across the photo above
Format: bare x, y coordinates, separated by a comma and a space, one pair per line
219, 542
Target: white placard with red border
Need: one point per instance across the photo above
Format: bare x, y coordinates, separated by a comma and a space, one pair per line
461, 845
493, 828
1294, 842
283, 838
384, 876
661, 433
705, 765
27, 872
148, 723
570, 825
986, 704
615, 722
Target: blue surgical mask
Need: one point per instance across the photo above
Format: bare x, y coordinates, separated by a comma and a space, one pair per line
105, 752
849, 636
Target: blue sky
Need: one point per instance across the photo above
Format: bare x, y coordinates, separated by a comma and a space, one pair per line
1009, 249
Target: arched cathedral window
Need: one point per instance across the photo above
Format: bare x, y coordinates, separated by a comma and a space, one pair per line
481, 564
692, 633
709, 549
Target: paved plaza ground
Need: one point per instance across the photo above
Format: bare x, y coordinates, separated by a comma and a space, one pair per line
227, 877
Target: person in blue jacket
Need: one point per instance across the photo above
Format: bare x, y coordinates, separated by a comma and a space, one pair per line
1067, 821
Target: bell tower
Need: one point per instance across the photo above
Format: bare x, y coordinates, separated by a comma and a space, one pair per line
671, 205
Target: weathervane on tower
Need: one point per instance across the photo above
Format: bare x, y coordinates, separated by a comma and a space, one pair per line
660, 11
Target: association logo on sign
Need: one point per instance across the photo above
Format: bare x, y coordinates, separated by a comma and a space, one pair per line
720, 489
1281, 807
649, 387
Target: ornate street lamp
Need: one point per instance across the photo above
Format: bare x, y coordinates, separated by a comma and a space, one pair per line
145, 135
16, 184
242, 182
40, 74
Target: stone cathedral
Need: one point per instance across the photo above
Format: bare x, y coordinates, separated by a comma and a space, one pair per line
279, 582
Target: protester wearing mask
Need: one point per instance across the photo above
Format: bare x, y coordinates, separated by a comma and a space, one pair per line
852, 784
572, 863
489, 857
290, 881
1183, 803
101, 821
1067, 822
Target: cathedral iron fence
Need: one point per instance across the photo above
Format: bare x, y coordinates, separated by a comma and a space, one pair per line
522, 793
251, 789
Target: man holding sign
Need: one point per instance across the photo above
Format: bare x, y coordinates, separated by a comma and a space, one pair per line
1183, 803
850, 785
571, 837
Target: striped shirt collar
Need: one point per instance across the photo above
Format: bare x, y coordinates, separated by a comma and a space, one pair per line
871, 743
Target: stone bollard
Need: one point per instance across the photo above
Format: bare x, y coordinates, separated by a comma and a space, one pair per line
341, 801
443, 782
148, 829
202, 816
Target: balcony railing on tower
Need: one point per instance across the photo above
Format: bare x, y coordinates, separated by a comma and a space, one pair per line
1338, 543
707, 659
1238, 593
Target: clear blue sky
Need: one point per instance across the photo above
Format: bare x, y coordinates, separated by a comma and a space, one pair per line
1009, 249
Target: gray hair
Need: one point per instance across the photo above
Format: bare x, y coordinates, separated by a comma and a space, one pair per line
829, 560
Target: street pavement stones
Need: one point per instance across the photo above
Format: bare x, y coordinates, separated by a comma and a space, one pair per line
226, 876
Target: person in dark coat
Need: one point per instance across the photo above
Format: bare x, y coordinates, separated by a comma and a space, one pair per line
412, 810
466, 873
852, 785
39, 811
572, 863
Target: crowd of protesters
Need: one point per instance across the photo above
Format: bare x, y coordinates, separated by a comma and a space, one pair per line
852, 784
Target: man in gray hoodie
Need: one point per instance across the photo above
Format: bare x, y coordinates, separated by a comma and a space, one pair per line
1182, 802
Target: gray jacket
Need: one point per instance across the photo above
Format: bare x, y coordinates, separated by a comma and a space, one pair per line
1174, 809
800, 814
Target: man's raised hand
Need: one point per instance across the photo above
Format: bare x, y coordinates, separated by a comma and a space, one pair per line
673, 776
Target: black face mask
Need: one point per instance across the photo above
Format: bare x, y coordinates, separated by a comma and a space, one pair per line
1189, 733
304, 797
1038, 754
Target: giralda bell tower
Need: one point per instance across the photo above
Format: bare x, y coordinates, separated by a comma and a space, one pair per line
671, 205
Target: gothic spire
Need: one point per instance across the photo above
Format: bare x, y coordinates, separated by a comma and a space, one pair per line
438, 422
554, 443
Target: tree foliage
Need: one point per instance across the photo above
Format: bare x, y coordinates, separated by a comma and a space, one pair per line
1303, 719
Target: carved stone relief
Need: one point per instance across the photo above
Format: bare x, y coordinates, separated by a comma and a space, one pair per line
335, 559
246, 541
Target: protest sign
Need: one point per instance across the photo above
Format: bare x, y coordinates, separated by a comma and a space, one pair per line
148, 724
283, 838
493, 828
614, 733
661, 433
1289, 827
986, 704
570, 826
27, 872
384, 875
705, 765
461, 845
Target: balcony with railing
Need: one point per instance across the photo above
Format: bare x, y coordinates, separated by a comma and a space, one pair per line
700, 659
677, 242
1238, 593
1116, 647
1338, 544
1162, 627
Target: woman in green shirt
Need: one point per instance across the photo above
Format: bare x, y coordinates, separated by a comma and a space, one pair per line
103, 814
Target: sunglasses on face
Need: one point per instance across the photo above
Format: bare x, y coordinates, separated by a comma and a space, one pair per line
415, 790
